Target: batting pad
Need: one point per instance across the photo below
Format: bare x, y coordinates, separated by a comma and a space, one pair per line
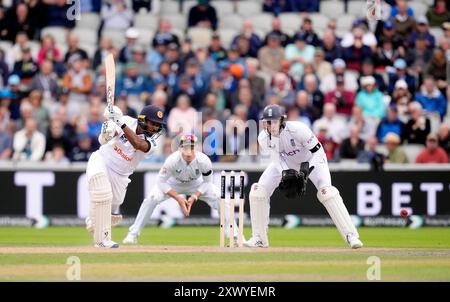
332, 200
259, 212
101, 198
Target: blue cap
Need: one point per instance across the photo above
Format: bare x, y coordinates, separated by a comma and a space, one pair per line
388, 25
14, 80
273, 112
400, 64
6, 94
300, 37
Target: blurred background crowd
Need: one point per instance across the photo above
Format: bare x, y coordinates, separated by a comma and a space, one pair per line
372, 90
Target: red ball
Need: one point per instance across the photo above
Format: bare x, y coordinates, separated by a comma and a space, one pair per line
404, 213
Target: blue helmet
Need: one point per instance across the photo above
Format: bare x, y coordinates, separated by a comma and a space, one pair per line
273, 112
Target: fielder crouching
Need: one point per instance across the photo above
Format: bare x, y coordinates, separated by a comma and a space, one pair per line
296, 156
185, 172
125, 141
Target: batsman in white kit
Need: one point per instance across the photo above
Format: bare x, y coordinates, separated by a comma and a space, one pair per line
185, 172
296, 156
125, 141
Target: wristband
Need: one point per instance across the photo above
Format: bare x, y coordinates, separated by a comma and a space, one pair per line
123, 126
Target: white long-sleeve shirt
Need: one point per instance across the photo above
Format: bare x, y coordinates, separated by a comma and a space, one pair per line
177, 172
36, 145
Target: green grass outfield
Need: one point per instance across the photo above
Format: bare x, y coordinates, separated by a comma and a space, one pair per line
192, 254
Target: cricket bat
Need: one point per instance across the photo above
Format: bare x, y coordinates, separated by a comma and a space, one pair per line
110, 73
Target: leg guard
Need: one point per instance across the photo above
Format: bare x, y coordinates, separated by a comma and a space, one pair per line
259, 212
101, 198
332, 200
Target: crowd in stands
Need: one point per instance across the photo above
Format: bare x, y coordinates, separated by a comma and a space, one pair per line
370, 94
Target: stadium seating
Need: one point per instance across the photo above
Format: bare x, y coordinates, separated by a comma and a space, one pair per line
419, 8
357, 8
231, 22
86, 36
412, 151
178, 21
201, 37
248, 8
223, 7
262, 21
226, 36
169, 7
117, 37
58, 33
146, 21
332, 8
344, 22
89, 20
290, 21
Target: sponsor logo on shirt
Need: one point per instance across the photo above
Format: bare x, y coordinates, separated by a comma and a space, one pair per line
290, 153
123, 138
122, 154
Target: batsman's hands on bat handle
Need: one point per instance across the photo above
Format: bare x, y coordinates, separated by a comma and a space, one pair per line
114, 116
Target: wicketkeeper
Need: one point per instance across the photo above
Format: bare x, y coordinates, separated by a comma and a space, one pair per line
296, 156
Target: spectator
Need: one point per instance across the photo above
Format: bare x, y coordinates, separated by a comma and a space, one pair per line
186, 86
367, 127
5, 136
157, 54
116, 15
357, 52
402, 21
329, 82
212, 105
95, 121
390, 124
40, 113
396, 155
418, 126
315, 96
417, 57
304, 107
104, 48
164, 34
422, 30
133, 84
166, 79
401, 97
138, 57
18, 19
370, 155
323, 68
389, 33
159, 99
329, 145
29, 143
444, 137
386, 55
121, 102
57, 11
298, 54
216, 50
359, 36
245, 98
271, 55
311, 38
14, 95
331, 47
83, 149
341, 98
282, 88
48, 45
276, 29
257, 83
432, 153
151, 6
431, 98
249, 34
401, 74
172, 56
56, 136
56, 156
77, 80
126, 53
208, 65
15, 53
45, 81
403, 5
438, 14
203, 15
367, 69
4, 72
25, 68
183, 117
351, 147
335, 124
370, 99
73, 43
437, 67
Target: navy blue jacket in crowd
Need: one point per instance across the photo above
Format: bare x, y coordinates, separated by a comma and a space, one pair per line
409, 79
387, 126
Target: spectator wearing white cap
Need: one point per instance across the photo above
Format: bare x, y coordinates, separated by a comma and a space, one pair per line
329, 82
116, 15
126, 53
401, 97
396, 155
370, 99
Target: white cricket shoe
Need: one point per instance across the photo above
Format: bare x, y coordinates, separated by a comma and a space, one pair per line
89, 225
107, 244
354, 241
255, 242
130, 239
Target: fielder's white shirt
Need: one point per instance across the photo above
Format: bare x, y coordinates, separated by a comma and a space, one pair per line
292, 147
119, 154
177, 172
